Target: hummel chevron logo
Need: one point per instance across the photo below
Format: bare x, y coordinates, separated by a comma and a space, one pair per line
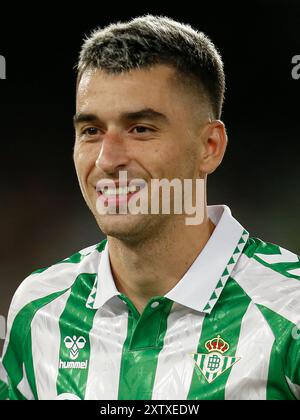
74, 344
213, 364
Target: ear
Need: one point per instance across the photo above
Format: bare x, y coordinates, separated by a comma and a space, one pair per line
214, 143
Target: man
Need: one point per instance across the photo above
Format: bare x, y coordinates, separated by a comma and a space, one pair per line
162, 309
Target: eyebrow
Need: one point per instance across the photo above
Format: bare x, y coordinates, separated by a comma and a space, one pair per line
146, 113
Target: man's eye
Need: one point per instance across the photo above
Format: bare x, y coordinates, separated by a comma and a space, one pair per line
140, 129
90, 131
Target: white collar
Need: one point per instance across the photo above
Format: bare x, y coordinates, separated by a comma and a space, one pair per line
202, 284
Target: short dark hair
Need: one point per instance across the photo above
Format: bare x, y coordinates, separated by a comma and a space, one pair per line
149, 40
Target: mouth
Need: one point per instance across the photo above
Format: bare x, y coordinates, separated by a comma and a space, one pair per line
118, 194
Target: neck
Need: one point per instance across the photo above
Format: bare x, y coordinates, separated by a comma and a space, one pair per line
155, 265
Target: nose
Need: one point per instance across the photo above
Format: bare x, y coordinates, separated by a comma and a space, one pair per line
113, 153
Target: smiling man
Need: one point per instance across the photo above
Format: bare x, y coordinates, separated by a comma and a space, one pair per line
161, 309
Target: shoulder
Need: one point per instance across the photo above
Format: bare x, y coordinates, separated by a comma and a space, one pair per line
45, 284
267, 259
270, 275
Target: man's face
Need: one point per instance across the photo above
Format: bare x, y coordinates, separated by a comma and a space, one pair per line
141, 122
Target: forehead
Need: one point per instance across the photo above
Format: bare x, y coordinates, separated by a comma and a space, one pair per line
151, 87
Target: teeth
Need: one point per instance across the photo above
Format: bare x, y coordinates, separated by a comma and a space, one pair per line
119, 191
133, 188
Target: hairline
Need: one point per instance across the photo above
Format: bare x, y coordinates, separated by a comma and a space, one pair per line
191, 86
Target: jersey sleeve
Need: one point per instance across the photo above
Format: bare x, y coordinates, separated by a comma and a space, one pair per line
16, 360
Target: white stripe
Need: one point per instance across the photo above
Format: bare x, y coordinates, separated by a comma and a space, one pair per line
107, 338
248, 377
285, 257
24, 386
45, 339
294, 388
269, 288
175, 364
295, 272
56, 278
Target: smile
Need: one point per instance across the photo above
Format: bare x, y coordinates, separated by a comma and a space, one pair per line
109, 192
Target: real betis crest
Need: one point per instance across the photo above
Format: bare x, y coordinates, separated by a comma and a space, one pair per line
213, 363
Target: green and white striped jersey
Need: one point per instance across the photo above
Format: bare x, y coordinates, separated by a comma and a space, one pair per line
227, 330
3, 384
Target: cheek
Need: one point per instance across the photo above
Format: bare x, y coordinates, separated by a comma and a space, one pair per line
181, 161
83, 161
157, 161
78, 161
79, 158
164, 163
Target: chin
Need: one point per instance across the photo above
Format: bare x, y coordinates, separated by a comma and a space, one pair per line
128, 228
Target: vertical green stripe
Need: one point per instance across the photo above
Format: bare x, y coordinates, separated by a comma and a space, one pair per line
3, 391
285, 356
19, 346
76, 321
277, 388
224, 320
144, 341
28, 360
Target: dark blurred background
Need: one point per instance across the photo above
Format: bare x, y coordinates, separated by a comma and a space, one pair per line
43, 216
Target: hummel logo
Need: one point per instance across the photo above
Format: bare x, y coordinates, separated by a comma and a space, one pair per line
74, 344
73, 365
